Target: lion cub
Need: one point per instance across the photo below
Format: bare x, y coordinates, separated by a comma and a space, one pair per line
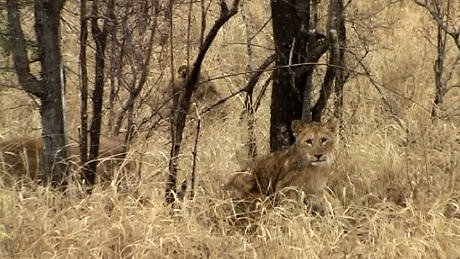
205, 92
307, 164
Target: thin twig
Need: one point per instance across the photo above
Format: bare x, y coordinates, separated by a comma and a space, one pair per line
195, 154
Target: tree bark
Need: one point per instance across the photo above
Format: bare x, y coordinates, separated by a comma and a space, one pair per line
287, 92
438, 72
296, 42
334, 77
83, 134
251, 141
100, 39
49, 87
340, 72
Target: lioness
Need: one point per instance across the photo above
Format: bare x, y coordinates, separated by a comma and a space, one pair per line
21, 157
307, 164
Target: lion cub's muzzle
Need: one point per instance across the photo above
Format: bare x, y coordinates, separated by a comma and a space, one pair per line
319, 160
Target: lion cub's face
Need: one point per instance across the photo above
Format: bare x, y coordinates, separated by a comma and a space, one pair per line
315, 142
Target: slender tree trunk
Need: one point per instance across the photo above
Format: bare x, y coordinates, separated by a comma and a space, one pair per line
84, 84
114, 74
248, 102
334, 78
311, 39
144, 58
340, 72
438, 72
100, 39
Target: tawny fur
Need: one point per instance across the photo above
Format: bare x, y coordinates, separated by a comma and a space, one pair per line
21, 157
205, 92
307, 164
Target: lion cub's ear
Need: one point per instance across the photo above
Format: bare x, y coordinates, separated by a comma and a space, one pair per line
332, 125
297, 126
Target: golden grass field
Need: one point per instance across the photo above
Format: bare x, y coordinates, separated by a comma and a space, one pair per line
400, 187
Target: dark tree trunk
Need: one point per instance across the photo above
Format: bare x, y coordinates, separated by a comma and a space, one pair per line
438, 72
83, 134
298, 46
100, 39
49, 87
290, 31
47, 17
296, 42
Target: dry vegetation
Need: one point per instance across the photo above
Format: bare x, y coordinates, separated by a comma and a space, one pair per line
399, 185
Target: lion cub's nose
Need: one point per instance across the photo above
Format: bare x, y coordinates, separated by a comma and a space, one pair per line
318, 156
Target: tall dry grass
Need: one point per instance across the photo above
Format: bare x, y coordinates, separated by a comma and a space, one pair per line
399, 185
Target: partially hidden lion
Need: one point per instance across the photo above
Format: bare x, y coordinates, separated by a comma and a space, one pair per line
305, 165
20, 157
204, 93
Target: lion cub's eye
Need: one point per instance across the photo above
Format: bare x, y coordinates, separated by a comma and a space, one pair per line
309, 142
323, 141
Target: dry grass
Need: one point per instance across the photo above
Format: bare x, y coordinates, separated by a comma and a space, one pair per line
399, 187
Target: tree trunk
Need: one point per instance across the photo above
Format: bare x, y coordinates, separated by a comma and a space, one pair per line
47, 17
251, 141
296, 43
100, 39
298, 47
340, 73
334, 77
287, 92
438, 72
83, 134
49, 87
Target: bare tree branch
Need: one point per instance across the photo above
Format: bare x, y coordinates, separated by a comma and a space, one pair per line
21, 62
440, 18
250, 84
134, 93
182, 102
328, 81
